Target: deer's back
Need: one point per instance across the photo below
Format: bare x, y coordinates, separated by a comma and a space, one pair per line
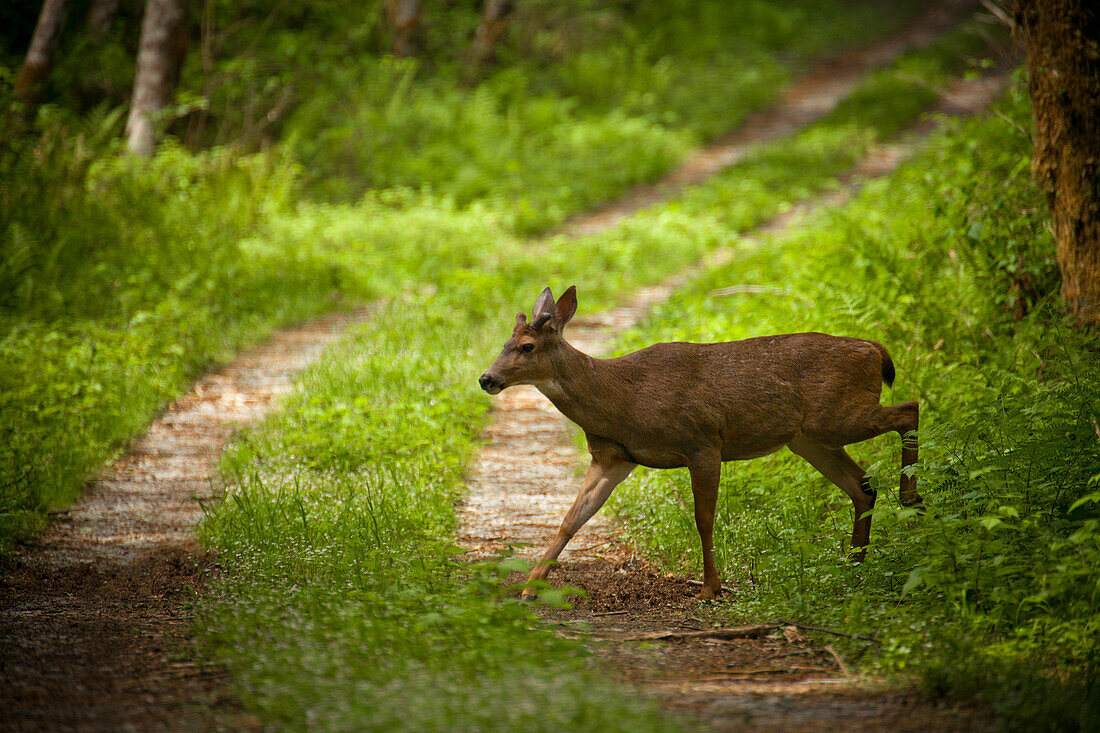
751, 396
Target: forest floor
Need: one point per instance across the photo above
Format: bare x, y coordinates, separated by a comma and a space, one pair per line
94, 621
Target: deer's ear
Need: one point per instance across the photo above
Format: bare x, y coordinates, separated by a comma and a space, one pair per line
544, 304
566, 307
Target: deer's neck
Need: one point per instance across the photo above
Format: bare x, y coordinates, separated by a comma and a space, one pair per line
585, 390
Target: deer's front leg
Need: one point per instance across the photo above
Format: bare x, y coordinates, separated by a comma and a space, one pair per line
706, 470
601, 478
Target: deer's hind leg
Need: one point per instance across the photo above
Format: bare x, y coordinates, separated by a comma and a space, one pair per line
837, 466
866, 421
904, 418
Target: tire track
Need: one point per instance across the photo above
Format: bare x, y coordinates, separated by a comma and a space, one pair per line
93, 615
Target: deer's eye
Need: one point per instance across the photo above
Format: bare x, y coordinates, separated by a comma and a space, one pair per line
528, 348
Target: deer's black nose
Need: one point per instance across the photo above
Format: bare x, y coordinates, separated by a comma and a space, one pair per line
486, 382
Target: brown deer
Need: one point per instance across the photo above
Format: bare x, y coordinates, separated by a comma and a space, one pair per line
672, 405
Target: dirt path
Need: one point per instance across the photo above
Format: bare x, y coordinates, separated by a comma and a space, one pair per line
527, 476
93, 621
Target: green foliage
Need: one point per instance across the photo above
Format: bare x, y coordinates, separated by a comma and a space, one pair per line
533, 161
588, 99
1000, 574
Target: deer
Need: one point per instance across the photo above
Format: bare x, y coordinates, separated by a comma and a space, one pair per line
698, 405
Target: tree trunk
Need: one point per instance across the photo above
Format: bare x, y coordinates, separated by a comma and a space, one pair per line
40, 55
160, 57
1062, 39
405, 19
101, 16
489, 30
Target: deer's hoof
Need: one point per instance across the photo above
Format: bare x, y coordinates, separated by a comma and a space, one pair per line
709, 594
529, 594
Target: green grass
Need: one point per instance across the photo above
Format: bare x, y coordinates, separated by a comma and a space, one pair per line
340, 603
122, 279
992, 593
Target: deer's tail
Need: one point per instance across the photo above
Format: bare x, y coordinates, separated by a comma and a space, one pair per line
887, 364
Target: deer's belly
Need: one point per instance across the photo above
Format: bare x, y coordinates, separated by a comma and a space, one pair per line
738, 452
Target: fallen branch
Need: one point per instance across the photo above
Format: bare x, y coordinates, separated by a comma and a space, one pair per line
700, 583
736, 632
755, 631
739, 674
870, 639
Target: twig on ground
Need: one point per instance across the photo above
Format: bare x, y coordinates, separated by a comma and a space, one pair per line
699, 582
870, 639
754, 631
839, 662
610, 613
740, 673
736, 632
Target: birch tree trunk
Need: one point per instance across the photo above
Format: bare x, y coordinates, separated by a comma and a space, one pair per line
494, 19
40, 55
1062, 39
405, 18
101, 16
160, 57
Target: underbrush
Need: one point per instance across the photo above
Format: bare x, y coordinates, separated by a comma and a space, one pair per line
953, 270
584, 100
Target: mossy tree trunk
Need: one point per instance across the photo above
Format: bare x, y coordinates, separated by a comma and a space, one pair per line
160, 58
1062, 39
40, 55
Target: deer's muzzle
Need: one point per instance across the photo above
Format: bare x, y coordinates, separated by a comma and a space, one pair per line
490, 384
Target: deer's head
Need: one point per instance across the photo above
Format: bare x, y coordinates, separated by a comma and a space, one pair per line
529, 357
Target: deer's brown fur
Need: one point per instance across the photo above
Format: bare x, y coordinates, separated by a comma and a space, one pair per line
673, 405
